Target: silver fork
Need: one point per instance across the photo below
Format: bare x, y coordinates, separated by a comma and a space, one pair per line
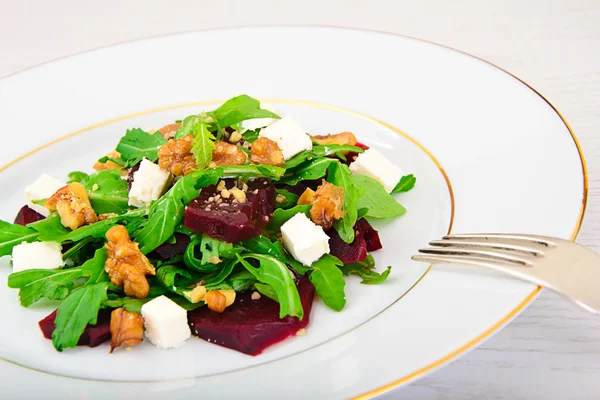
565, 267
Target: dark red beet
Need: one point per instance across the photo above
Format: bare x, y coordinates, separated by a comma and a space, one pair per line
250, 326
166, 250
347, 253
93, 335
232, 221
370, 234
26, 216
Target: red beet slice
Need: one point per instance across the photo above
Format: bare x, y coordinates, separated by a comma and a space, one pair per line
232, 221
165, 250
93, 335
347, 253
130, 173
27, 215
370, 234
250, 326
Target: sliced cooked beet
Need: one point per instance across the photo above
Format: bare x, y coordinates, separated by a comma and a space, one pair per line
370, 234
166, 250
230, 220
27, 215
250, 326
347, 253
93, 335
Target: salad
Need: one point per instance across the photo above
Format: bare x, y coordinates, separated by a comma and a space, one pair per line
224, 225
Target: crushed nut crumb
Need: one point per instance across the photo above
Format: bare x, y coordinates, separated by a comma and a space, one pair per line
301, 332
280, 198
221, 186
214, 260
225, 193
255, 296
238, 195
235, 137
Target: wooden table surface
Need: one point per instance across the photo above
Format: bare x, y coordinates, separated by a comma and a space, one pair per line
551, 351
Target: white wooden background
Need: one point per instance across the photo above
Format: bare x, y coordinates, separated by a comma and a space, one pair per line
552, 351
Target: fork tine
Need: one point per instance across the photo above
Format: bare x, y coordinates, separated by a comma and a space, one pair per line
469, 260
483, 254
486, 245
500, 236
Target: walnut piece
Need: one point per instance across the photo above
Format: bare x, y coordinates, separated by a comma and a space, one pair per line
73, 205
327, 205
307, 197
98, 166
266, 151
126, 328
219, 300
227, 154
169, 131
338, 138
126, 266
176, 156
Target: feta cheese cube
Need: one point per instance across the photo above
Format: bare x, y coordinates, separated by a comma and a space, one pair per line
166, 323
290, 137
373, 164
149, 183
257, 123
36, 255
43, 187
305, 241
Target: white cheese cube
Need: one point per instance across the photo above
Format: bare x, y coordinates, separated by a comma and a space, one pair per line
166, 323
290, 137
257, 123
373, 164
149, 183
43, 187
36, 255
305, 241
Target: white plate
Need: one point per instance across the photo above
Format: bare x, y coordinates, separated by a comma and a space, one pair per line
470, 127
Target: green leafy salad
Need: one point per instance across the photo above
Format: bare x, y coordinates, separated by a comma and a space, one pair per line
212, 220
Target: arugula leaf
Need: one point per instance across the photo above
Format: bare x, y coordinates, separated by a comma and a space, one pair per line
107, 191
274, 273
281, 216
266, 290
131, 304
94, 267
263, 245
289, 199
252, 171
35, 284
240, 108
173, 278
329, 281
78, 310
364, 269
378, 202
50, 228
167, 212
407, 182
240, 282
204, 141
251, 136
76, 176
208, 248
137, 144
340, 175
13, 234
308, 171
320, 151
219, 276
132, 220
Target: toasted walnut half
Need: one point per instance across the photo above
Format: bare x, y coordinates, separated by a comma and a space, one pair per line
126, 328
227, 154
73, 205
327, 205
219, 300
98, 166
169, 131
266, 151
126, 266
338, 138
176, 156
